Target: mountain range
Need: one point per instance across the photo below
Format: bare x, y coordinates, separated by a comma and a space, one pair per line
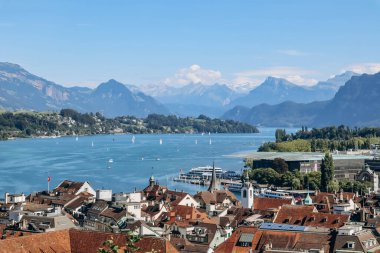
356, 103
348, 98
277, 90
193, 99
21, 90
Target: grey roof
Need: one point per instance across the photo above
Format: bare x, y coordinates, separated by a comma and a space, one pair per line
297, 156
246, 237
275, 226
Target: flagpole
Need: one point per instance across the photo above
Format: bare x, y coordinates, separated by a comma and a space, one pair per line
48, 179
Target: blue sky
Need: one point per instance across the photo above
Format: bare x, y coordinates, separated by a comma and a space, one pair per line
174, 42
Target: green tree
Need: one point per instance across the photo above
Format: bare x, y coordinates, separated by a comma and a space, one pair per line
280, 165
312, 180
327, 172
265, 176
280, 135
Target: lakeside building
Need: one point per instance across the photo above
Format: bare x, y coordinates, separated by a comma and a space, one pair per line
345, 165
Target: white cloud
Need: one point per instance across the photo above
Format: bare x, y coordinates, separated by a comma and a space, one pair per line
293, 74
291, 52
194, 74
368, 68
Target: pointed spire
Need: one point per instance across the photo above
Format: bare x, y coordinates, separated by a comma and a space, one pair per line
214, 184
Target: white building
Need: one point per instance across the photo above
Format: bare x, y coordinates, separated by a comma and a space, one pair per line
104, 195
247, 193
14, 198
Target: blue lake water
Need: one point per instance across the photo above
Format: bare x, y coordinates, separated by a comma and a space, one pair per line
26, 163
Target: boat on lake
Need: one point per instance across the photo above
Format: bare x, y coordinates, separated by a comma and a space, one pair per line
203, 173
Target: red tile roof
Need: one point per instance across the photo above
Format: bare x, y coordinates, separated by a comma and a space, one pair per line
308, 216
264, 204
78, 241
69, 187
279, 240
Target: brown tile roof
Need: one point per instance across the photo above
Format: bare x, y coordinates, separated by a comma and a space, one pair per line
358, 239
307, 216
238, 214
77, 241
42, 242
33, 207
187, 213
215, 197
264, 204
78, 202
115, 214
280, 240
69, 187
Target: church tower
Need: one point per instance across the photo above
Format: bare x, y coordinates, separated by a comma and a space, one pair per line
247, 192
214, 184
152, 181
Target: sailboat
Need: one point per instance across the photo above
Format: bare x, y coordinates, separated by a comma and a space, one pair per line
196, 142
92, 144
210, 142
160, 141
76, 139
133, 139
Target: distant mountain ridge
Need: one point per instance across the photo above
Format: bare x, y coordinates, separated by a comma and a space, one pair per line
356, 103
277, 90
21, 90
194, 99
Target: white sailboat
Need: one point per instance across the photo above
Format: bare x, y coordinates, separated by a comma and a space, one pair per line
76, 138
133, 139
196, 142
92, 144
160, 141
210, 142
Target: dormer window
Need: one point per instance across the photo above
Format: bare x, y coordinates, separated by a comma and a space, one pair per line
324, 219
350, 245
286, 220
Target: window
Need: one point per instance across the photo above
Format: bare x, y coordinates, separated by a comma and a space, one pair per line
244, 193
350, 245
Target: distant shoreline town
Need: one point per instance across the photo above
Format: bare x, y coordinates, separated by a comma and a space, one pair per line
69, 122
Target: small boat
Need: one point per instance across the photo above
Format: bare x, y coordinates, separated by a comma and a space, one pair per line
157, 159
92, 144
210, 142
142, 158
110, 161
203, 133
196, 142
133, 139
160, 141
234, 187
76, 139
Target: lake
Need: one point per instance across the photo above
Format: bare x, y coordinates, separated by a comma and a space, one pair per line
26, 163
